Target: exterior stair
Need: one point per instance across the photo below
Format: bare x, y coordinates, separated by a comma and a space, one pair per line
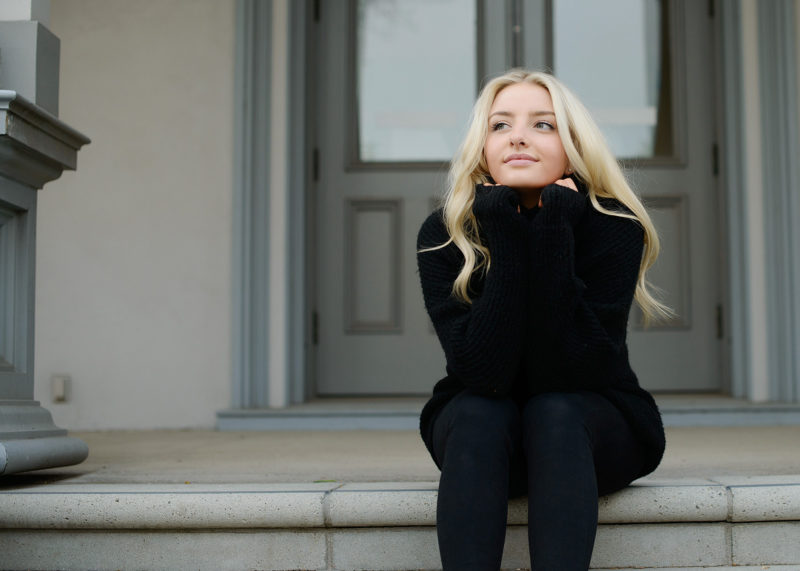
738, 522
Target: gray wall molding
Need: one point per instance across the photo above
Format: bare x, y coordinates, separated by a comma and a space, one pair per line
781, 147
35, 146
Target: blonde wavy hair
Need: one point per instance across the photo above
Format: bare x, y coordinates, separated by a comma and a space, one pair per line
588, 155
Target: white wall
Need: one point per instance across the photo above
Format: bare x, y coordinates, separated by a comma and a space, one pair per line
134, 249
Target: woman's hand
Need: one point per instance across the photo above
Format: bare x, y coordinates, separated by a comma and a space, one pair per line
565, 182
497, 184
488, 193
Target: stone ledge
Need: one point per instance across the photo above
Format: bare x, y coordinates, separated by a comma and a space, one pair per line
384, 504
688, 524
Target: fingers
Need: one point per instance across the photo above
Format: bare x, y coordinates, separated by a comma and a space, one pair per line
567, 182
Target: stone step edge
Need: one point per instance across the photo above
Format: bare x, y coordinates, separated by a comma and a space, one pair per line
725, 568
373, 504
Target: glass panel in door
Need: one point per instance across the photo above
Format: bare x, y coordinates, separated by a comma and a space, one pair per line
416, 74
621, 73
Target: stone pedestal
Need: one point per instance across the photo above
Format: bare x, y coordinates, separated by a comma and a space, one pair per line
35, 148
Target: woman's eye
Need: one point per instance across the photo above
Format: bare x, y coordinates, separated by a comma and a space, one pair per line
499, 125
543, 125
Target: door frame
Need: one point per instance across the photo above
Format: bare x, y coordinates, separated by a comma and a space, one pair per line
758, 53
271, 374
270, 304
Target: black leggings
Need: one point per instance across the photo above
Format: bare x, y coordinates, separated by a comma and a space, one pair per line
563, 449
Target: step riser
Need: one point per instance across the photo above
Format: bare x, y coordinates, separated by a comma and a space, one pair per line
648, 546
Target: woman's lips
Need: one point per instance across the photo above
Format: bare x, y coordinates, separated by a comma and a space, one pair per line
519, 160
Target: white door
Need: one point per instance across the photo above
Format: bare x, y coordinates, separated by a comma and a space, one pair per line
394, 82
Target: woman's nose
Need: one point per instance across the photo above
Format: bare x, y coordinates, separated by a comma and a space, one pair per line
517, 139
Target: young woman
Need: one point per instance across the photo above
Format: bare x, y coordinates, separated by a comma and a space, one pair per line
528, 273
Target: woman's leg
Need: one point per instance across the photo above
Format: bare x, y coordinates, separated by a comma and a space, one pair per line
578, 446
474, 438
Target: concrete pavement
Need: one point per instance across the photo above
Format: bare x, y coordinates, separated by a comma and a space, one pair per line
208, 456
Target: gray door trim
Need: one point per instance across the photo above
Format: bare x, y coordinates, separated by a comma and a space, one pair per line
764, 311
269, 312
251, 204
780, 149
778, 95
733, 182
299, 241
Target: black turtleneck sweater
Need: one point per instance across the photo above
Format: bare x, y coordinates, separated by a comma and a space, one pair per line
551, 312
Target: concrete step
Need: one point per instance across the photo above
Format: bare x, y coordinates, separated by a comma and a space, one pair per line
402, 413
720, 523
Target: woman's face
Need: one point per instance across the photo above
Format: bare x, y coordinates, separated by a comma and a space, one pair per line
523, 149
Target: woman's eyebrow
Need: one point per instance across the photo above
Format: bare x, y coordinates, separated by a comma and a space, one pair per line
531, 114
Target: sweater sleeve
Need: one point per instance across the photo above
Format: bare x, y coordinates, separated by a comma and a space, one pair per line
580, 321
481, 340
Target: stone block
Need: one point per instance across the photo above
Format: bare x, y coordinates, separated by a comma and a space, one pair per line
385, 549
766, 543
411, 504
765, 502
398, 549
382, 504
143, 507
668, 503
167, 551
661, 545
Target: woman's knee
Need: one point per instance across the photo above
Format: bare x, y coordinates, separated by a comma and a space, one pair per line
485, 413
480, 422
477, 430
548, 409
554, 416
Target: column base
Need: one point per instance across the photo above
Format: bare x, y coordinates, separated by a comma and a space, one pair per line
30, 441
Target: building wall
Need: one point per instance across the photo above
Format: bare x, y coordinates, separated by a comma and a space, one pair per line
134, 249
